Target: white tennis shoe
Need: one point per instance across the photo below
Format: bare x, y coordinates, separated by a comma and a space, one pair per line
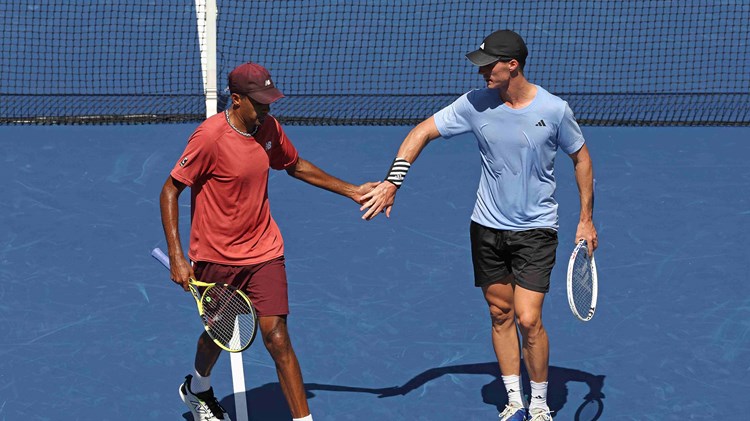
203, 405
539, 414
513, 412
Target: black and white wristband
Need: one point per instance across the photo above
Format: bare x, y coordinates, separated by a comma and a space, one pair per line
398, 171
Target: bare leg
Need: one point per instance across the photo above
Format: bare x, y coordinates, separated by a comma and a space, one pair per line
279, 345
206, 355
528, 306
499, 298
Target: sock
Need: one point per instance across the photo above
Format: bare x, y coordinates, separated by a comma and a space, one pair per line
199, 383
538, 395
307, 418
513, 387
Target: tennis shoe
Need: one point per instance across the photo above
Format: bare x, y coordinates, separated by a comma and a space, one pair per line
539, 414
514, 411
203, 405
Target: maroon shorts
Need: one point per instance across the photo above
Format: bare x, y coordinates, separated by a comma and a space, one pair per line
265, 283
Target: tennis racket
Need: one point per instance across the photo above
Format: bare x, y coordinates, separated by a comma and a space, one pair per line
227, 313
582, 282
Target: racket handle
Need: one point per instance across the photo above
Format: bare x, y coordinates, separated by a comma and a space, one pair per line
161, 257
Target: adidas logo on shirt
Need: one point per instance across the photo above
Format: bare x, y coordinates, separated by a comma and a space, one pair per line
540, 123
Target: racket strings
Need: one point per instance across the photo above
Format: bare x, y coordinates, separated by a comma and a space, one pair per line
582, 283
229, 317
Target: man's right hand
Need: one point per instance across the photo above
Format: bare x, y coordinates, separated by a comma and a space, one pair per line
181, 272
380, 199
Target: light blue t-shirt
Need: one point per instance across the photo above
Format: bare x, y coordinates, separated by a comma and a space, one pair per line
518, 148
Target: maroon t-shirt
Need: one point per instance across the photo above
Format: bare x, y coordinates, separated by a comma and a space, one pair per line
228, 176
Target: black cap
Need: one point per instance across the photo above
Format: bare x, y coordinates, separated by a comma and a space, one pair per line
499, 45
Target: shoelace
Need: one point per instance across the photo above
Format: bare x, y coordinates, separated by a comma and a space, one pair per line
212, 403
215, 407
509, 410
540, 416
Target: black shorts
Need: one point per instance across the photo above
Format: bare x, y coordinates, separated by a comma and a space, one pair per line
528, 255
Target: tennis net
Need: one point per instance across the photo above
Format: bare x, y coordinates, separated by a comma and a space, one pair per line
380, 62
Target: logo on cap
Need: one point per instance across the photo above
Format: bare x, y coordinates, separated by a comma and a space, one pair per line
268, 82
481, 47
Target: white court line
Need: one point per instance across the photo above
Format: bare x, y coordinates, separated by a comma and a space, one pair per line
238, 384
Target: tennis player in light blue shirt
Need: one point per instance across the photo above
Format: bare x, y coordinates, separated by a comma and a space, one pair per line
518, 148
519, 127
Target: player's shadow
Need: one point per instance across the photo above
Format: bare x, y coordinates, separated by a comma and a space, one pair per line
493, 393
267, 403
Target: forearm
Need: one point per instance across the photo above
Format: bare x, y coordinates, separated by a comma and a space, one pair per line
585, 180
381, 198
409, 150
584, 174
306, 171
417, 139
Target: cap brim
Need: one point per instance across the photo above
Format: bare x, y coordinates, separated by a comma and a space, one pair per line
480, 58
266, 96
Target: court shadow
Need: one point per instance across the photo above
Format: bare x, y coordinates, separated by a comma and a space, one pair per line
493, 393
274, 406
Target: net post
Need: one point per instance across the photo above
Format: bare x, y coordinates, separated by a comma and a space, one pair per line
210, 80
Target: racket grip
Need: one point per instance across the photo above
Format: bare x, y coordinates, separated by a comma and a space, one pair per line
161, 257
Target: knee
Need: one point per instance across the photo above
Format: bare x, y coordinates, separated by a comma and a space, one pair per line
501, 316
530, 323
277, 342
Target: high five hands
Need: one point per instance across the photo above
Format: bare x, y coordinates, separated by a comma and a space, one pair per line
380, 199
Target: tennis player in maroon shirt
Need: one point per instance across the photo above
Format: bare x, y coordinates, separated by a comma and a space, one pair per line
233, 238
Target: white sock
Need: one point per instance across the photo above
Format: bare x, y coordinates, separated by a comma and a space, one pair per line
513, 387
307, 418
199, 383
538, 395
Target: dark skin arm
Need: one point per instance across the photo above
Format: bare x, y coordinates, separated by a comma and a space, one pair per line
181, 271
307, 171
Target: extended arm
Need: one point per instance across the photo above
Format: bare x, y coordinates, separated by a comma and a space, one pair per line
181, 271
382, 197
307, 171
584, 173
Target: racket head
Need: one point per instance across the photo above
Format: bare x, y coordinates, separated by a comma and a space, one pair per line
582, 283
228, 316
590, 410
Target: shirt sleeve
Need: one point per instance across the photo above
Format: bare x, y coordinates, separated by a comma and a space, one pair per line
569, 135
453, 119
198, 159
282, 153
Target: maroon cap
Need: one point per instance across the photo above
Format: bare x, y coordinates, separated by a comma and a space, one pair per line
254, 81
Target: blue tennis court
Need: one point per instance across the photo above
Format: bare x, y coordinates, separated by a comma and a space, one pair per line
385, 319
